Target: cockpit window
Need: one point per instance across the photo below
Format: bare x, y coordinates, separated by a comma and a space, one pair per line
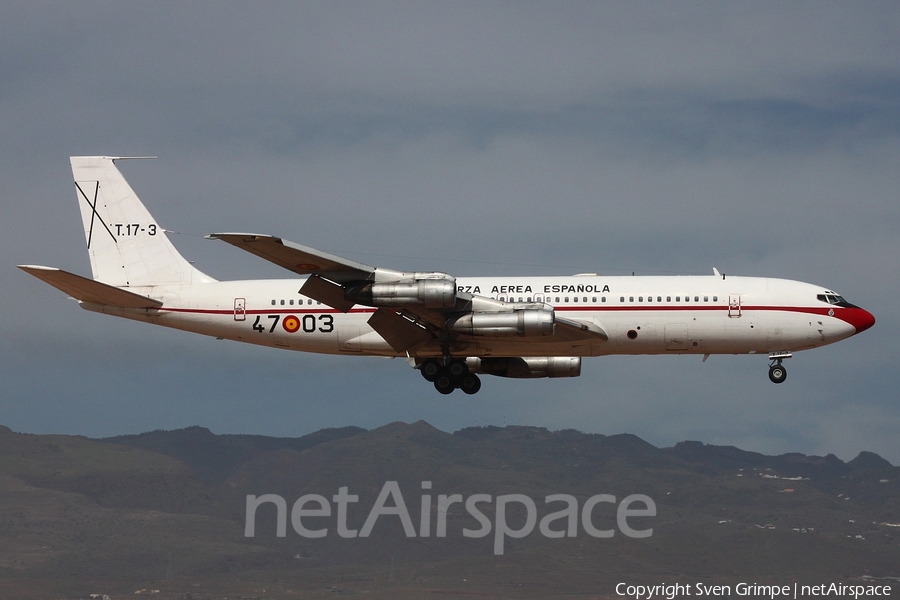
832, 299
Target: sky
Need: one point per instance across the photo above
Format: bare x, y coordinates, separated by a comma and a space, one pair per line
475, 138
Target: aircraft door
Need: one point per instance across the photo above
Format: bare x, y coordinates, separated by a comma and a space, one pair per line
240, 309
734, 306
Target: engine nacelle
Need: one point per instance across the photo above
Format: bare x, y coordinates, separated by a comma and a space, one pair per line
527, 368
525, 323
432, 290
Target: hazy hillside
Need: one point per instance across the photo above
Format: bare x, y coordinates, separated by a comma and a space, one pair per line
166, 510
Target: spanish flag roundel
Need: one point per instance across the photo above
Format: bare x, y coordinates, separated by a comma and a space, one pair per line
290, 323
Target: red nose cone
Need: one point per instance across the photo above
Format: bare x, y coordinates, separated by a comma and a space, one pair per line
861, 319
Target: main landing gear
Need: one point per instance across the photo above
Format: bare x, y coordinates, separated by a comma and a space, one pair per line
450, 376
777, 373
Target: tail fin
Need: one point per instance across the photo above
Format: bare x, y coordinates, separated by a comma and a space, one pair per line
126, 245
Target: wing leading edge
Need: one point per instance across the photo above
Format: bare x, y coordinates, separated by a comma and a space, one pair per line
294, 257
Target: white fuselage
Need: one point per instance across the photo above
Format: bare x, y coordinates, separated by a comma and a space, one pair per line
449, 328
640, 315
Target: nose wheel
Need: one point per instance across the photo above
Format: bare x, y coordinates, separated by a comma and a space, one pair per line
777, 372
451, 376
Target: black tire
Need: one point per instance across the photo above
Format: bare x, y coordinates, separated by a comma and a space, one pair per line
777, 374
457, 369
470, 384
444, 384
431, 369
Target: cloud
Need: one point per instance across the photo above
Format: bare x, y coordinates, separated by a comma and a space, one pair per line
473, 138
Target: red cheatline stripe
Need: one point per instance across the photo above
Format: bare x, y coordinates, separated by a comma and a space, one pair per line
567, 308
216, 311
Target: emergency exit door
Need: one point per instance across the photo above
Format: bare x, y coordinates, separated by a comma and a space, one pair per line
240, 309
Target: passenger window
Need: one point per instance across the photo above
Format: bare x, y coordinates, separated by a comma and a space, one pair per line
659, 298
706, 298
567, 298
696, 298
273, 302
575, 299
603, 299
621, 298
668, 298
585, 298
640, 298
631, 298
557, 298
677, 298
291, 301
282, 302
715, 298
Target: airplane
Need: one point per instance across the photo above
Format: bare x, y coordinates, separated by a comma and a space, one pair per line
451, 329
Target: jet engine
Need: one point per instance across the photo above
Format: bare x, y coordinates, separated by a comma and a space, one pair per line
525, 322
527, 367
425, 290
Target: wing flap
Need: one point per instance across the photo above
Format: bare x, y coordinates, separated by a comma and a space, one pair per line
88, 290
399, 332
326, 292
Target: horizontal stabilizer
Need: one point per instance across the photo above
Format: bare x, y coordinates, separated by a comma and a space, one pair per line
88, 290
294, 257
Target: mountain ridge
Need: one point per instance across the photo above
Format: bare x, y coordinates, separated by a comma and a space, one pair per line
167, 510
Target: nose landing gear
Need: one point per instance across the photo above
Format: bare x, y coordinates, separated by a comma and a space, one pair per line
777, 372
448, 377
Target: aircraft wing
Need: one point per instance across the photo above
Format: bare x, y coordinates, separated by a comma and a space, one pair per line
88, 290
294, 257
406, 325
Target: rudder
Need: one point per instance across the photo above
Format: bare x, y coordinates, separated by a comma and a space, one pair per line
126, 245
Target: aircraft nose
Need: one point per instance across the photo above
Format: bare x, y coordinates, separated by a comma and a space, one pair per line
861, 319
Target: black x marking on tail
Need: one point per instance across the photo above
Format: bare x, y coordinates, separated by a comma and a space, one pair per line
94, 212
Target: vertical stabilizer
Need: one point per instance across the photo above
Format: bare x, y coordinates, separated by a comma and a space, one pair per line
126, 245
